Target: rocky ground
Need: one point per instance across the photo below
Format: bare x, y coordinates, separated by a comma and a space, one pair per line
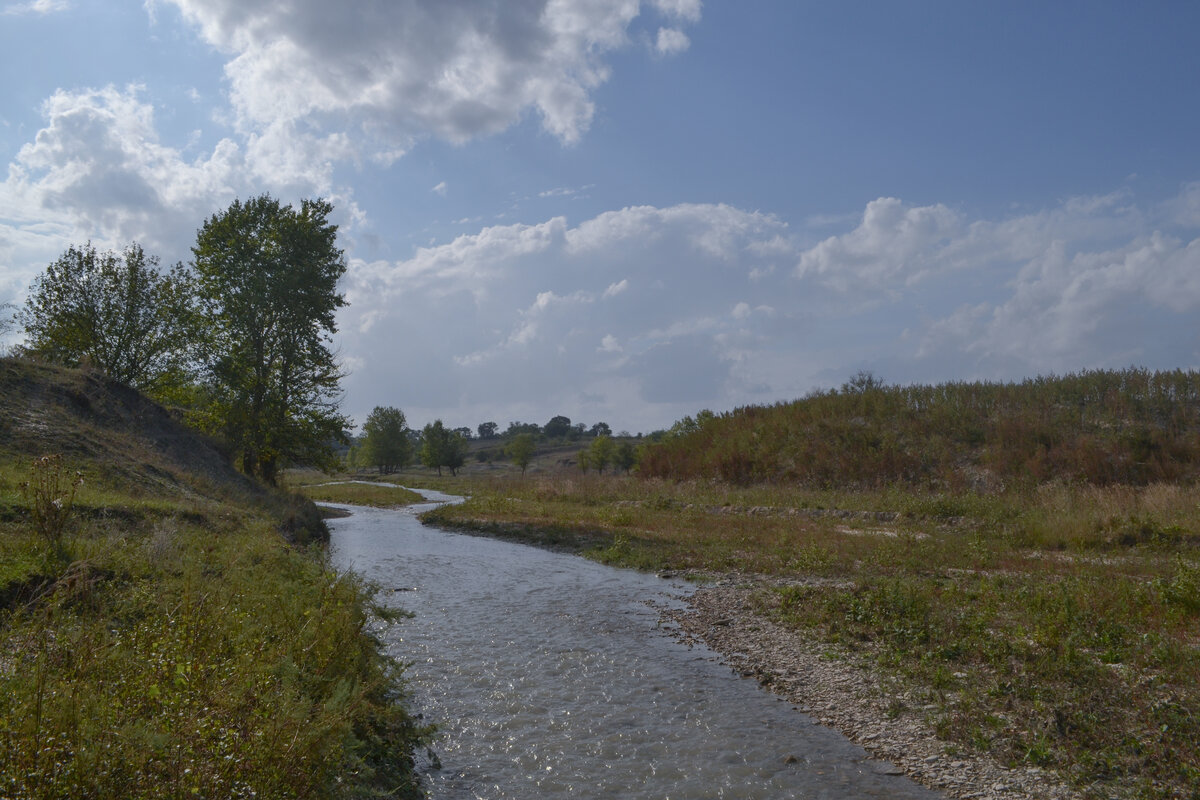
844, 695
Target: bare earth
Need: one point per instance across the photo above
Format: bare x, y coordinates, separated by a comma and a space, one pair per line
840, 694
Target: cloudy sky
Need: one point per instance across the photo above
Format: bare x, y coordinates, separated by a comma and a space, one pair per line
628, 211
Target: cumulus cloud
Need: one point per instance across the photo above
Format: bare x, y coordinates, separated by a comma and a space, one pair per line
395, 72
97, 170
671, 41
555, 312
1094, 281
892, 241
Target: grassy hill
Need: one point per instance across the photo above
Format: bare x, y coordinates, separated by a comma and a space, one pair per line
163, 630
1102, 428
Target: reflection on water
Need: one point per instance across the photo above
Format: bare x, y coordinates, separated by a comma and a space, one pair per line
548, 676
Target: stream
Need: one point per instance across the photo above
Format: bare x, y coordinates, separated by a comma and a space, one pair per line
550, 676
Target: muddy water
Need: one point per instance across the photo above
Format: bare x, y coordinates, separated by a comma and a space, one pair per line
549, 676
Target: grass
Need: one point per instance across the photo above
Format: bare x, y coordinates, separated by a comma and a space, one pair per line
173, 635
192, 654
360, 494
1054, 627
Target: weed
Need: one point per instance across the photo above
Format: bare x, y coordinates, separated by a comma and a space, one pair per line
50, 494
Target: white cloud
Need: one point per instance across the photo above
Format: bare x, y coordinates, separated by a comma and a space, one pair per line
37, 7
615, 289
892, 241
554, 313
440, 189
671, 41
683, 9
403, 70
97, 170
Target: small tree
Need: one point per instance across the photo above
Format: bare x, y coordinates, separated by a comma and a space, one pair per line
601, 452
117, 311
385, 440
456, 451
585, 460
863, 381
600, 429
520, 450
487, 430
626, 457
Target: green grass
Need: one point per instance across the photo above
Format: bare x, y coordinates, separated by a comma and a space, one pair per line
191, 655
360, 494
179, 634
1056, 627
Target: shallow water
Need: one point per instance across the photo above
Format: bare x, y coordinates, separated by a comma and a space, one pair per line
549, 676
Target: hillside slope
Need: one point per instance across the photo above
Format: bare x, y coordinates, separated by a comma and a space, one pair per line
127, 443
1104, 427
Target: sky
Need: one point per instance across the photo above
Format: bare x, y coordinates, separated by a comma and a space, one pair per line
627, 211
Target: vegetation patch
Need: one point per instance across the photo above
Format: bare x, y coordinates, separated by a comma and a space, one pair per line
160, 637
379, 495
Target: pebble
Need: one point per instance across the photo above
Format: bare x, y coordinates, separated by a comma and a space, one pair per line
837, 693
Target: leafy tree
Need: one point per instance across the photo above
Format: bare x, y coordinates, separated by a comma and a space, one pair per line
443, 447
601, 452
600, 429
487, 430
862, 382
267, 279
117, 311
520, 450
385, 440
626, 457
585, 460
557, 428
6, 325
464, 432
517, 428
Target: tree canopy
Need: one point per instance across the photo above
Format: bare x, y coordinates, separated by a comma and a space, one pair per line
118, 312
385, 440
520, 450
557, 427
442, 447
267, 279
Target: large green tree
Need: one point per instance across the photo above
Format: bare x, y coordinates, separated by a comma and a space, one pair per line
267, 278
601, 452
117, 311
385, 440
442, 447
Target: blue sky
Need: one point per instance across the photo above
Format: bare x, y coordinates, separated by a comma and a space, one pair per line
628, 211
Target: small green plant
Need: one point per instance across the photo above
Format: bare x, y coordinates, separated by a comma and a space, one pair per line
1183, 589
50, 493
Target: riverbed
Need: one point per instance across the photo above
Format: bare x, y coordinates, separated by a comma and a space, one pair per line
552, 676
